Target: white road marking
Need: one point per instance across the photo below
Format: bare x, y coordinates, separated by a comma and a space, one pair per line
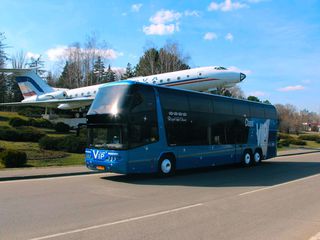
279, 185
118, 222
50, 178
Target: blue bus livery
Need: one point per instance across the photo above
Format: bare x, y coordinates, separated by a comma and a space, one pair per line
140, 128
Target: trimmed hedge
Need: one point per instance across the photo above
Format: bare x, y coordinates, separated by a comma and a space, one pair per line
13, 158
61, 127
71, 144
18, 122
284, 136
34, 122
310, 137
21, 134
294, 141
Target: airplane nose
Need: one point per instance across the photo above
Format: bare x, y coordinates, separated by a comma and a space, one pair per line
242, 76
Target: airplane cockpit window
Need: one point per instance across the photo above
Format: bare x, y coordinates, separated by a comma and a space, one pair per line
220, 68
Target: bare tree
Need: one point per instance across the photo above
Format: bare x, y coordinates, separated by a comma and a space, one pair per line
18, 60
289, 118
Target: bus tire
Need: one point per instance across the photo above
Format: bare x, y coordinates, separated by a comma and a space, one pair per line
247, 158
166, 166
257, 156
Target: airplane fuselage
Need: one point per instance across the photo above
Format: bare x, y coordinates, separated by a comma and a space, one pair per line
196, 79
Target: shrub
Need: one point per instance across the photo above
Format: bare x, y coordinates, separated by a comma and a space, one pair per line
28, 134
72, 144
18, 122
298, 142
284, 136
31, 111
13, 158
50, 143
9, 134
40, 123
61, 127
285, 143
310, 137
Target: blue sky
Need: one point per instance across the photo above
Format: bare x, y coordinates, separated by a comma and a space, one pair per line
277, 43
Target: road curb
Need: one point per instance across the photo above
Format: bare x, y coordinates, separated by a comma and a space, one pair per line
298, 153
4, 179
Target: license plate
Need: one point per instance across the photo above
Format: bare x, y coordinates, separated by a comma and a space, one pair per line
101, 168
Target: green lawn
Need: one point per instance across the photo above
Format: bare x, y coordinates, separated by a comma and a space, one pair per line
43, 158
36, 156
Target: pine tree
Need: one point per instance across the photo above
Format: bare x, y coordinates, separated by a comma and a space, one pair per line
129, 72
63, 79
110, 75
99, 74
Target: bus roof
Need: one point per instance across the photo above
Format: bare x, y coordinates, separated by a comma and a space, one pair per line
130, 82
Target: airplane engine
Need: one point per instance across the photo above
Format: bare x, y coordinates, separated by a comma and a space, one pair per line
53, 95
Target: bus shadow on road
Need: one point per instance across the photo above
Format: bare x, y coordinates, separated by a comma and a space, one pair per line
267, 174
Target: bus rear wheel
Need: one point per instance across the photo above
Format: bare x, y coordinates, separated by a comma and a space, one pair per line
247, 158
166, 166
257, 156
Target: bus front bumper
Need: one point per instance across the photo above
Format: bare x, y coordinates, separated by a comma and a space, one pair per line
106, 161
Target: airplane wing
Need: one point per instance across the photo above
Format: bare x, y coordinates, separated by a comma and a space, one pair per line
52, 103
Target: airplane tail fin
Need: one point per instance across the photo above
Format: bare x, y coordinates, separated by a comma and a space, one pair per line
29, 82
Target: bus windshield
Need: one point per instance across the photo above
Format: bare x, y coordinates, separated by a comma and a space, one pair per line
107, 137
122, 117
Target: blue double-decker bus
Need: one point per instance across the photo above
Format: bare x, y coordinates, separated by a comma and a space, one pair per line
141, 128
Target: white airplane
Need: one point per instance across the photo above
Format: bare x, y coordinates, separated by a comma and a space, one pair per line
37, 92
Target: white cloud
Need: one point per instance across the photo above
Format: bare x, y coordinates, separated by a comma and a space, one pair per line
32, 55
258, 94
306, 81
229, 37
210, 36
225, 6
136, 7
119, 71
165, 16
193, 13
57, 53
291, 88
160, 29
160, 23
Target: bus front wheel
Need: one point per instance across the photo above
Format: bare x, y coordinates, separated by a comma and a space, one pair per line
166, 166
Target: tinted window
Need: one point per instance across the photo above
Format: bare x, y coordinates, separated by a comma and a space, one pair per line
257, 110
241, 109
200, 104
270, 113
222, 106
173, 100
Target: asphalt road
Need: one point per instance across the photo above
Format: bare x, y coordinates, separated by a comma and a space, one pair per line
280, 199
